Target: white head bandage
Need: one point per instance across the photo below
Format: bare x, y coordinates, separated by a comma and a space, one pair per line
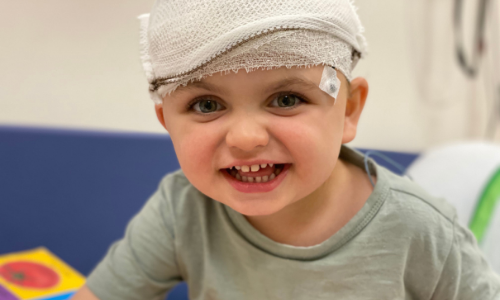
184, 41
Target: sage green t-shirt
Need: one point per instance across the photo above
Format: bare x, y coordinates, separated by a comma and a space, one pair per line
403, 244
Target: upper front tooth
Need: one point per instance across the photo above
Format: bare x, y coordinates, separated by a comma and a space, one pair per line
237, 167
245, 168
255, 168
263, 166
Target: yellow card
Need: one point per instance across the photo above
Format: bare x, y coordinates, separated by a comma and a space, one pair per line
37, 273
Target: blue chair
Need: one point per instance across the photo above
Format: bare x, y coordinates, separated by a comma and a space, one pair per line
74, 191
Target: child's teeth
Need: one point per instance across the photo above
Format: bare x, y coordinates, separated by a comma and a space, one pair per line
257, 178
253, 168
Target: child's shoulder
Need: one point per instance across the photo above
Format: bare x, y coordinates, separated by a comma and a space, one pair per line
415, 211
436, 247
403, 200
410, 193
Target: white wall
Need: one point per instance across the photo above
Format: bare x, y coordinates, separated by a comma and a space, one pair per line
75, 64
390, 120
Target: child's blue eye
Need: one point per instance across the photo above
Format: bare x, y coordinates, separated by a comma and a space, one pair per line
286, 101
206, 106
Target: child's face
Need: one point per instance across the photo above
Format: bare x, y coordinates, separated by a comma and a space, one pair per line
274, 116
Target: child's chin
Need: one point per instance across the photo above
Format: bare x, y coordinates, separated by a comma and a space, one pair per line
253, 208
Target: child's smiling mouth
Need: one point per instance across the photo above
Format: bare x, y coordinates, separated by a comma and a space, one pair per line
256, 178
256, 173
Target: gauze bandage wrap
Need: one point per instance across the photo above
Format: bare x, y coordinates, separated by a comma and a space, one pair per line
183, 41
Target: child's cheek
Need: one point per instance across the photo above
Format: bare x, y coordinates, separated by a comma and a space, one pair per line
195, 148
313, 143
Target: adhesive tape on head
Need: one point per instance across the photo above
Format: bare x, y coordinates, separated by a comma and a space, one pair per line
330, 83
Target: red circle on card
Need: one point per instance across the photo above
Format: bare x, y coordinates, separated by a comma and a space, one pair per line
29, 275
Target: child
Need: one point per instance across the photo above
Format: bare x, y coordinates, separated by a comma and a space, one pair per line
270, 204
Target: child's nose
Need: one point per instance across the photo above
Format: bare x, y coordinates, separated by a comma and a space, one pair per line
246, 134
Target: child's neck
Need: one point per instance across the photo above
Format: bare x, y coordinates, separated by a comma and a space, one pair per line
321, 214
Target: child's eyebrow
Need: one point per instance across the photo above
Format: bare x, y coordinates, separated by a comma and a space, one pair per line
201, 85
293, 81
283, 84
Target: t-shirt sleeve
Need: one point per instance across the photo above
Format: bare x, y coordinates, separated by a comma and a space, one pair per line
466, 274
142, 265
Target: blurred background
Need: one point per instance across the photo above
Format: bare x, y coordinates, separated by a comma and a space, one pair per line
81, 149
75, 64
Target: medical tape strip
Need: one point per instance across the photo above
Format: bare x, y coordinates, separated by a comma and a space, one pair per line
330, 83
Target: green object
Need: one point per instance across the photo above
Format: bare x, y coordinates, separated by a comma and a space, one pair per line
486, 207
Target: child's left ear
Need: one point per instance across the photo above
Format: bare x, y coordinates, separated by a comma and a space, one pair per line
354, 106
159, 114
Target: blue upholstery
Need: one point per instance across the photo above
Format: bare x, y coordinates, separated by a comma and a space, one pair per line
74, 191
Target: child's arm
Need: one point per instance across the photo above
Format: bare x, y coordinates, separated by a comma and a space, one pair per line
84, 294
466, 274
142, 265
